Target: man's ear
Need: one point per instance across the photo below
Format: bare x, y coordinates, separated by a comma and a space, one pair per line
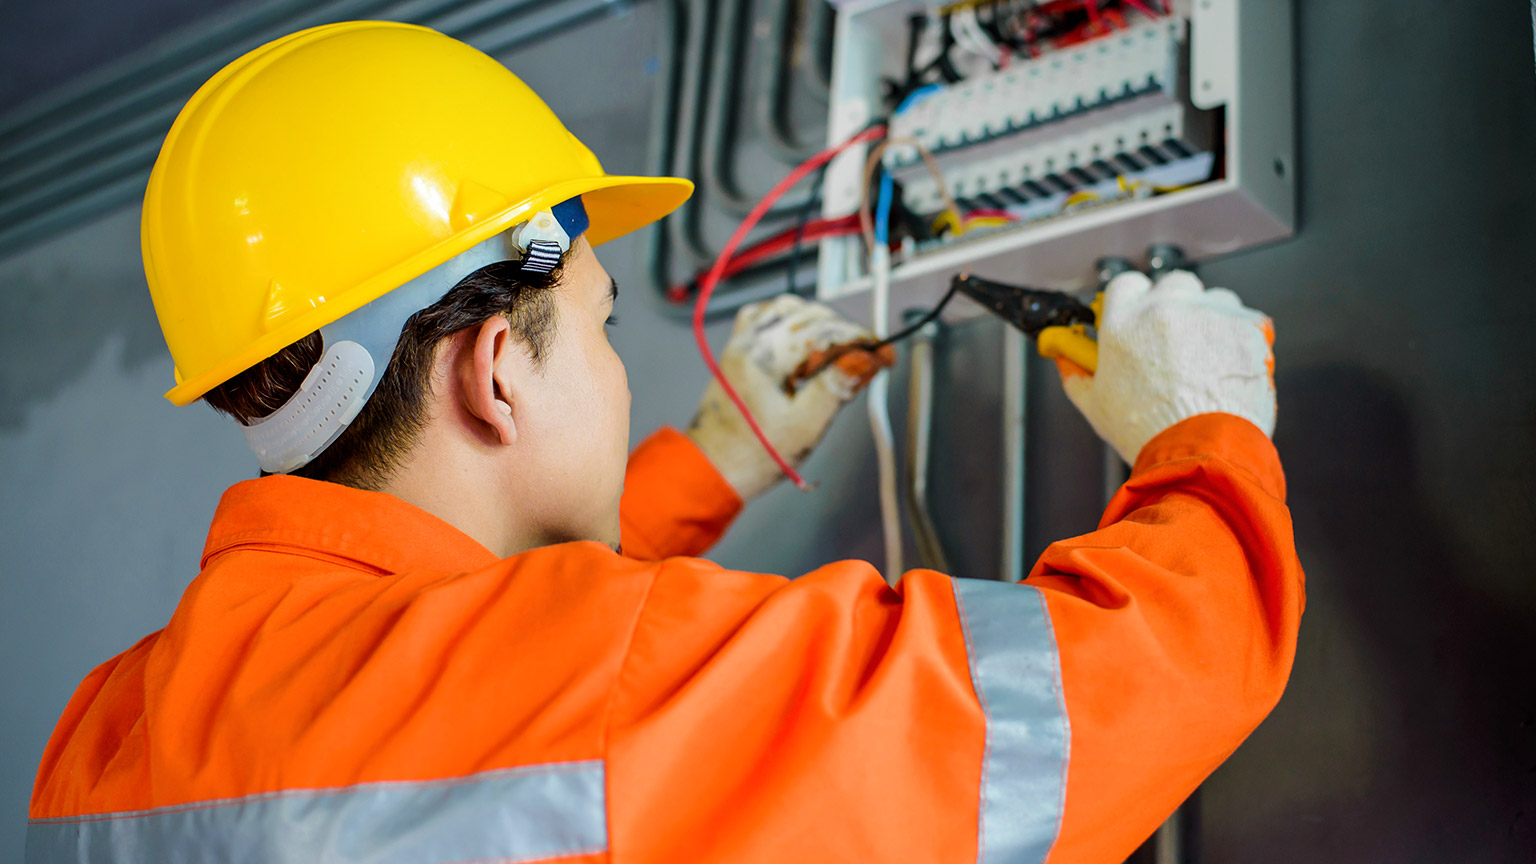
484, 384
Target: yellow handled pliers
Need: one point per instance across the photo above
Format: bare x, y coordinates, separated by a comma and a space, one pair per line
1059, 322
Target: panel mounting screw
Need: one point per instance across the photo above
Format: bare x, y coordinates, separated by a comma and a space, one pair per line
1109, 267
1164, 258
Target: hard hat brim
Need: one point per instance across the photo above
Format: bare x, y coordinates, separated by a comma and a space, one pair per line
616, 205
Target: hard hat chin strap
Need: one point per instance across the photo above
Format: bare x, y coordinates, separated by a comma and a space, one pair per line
358, 347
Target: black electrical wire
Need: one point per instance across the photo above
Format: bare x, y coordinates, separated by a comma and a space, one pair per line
813, 198
992, 23
933, 315
915, 26
945, 65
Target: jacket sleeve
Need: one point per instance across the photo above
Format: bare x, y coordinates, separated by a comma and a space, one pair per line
833, 718
1176, 628
675, 502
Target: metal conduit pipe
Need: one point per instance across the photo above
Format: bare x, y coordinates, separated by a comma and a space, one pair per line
469, 20
86, 99
715, 98
537, 20
89, 148
763, 281
674, 31
819, 48
732, 30
689, 159
721, 142
75, 153
773, 99
672, 36
98, 150
675, 149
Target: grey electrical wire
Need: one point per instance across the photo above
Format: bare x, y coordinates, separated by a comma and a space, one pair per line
930, 549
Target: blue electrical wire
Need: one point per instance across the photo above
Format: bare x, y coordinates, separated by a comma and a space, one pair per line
883, 209
925, 91
883, 202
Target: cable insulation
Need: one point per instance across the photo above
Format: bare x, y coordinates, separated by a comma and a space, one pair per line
716, 272
877, 401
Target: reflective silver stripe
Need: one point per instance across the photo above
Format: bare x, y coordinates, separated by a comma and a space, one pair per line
1017, 675
518, 814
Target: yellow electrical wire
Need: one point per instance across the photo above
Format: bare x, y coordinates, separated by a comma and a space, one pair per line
952, 8
866, 224
950, 220
988, 222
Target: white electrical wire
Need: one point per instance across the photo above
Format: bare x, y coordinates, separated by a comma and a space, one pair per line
878, 403
930, 43
962, 34
968, 33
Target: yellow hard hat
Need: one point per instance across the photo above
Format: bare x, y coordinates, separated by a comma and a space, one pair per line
324, 169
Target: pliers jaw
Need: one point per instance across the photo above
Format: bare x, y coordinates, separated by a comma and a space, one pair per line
1028, 309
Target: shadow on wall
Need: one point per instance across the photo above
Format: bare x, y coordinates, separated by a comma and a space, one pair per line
1452, 726
61, 301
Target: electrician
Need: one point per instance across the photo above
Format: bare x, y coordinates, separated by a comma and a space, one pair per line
448, 625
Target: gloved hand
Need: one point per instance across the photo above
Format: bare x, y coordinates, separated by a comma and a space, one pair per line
770, 341
1171, 351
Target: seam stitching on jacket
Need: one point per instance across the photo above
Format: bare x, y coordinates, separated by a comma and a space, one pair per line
280, 548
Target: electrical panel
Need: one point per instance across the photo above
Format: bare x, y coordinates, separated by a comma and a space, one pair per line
1061, 132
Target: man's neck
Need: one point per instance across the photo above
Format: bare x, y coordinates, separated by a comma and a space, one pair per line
459, 493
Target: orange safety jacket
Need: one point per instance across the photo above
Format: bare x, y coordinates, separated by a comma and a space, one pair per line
352, 679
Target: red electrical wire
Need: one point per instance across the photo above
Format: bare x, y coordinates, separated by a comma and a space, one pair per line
1057, 7
989, 213
712, 278
774, 247
1142, 8
1093, 14
815, 230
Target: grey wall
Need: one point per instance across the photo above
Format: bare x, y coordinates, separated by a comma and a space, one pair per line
1408, 413
44, 45
1408, 424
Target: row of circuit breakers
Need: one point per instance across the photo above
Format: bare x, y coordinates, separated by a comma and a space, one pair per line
1061, 134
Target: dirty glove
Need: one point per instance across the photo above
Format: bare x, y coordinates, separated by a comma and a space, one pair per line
1171, 351
771, 341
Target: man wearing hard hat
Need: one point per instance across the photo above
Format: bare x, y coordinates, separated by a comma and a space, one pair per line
450, 625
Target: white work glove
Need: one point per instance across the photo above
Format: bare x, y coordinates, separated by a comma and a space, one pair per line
1171, 351
769, 343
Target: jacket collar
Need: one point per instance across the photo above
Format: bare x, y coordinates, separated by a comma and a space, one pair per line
373, 529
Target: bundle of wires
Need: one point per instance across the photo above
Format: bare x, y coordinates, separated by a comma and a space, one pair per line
771, 247
966, 36
1062, 21
878, 243
706, 288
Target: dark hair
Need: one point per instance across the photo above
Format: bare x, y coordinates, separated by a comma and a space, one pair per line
368, 452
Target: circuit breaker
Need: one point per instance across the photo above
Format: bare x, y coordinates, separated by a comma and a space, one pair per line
1060, 132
